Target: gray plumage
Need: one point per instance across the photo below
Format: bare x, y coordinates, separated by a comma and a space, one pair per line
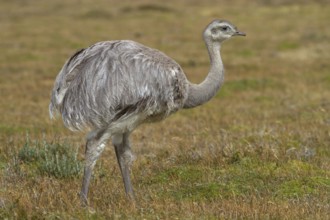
112, 87
111, 80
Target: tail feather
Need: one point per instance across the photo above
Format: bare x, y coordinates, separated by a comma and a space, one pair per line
62, 83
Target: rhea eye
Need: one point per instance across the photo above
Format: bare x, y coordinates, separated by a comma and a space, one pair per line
225, 28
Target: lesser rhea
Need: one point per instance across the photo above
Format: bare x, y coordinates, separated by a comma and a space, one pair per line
112, 87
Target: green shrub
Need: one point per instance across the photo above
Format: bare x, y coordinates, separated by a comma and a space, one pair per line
53, 159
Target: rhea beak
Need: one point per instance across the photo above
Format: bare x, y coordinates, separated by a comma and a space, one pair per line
239, 33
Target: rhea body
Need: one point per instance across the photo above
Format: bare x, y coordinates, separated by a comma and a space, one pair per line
112, 87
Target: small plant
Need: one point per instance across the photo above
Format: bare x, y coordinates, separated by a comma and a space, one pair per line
28, 153
54, 159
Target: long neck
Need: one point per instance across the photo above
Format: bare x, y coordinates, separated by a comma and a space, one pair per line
203, 92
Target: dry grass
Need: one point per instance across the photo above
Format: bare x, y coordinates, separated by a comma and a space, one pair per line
258, 150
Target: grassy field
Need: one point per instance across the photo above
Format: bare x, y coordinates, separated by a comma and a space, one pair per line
259, 150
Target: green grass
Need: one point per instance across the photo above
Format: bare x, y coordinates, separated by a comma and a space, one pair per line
288, 45
51, 159
242, 85
245, 177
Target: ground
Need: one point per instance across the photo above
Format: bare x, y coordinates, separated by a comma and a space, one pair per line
258, 150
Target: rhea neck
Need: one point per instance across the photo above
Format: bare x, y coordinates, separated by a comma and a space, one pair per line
198, 94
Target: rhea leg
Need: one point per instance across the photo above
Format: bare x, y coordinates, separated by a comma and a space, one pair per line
125, 159
94, 147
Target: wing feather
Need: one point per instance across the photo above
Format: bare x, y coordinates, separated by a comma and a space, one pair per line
113, 79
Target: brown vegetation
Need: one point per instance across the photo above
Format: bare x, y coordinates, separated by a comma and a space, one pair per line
259, 149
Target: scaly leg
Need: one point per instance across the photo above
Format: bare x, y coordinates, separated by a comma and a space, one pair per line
125, 159
94, 147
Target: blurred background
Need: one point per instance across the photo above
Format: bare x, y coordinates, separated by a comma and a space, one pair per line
286, 49
274, 106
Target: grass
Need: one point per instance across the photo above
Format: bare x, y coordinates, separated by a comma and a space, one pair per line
258, 150
51, 159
